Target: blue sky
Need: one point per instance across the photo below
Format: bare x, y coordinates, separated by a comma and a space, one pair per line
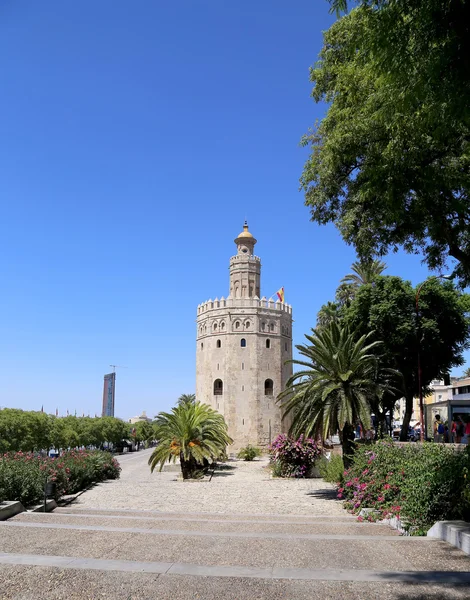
135, 139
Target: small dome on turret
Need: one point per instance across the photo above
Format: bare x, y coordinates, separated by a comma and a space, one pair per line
245, 236
245, 233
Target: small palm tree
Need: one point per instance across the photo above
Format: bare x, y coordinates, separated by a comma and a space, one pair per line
186, 399
340, 380
194, 433
364, 272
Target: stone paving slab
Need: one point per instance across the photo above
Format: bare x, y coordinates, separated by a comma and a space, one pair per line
358, 554
47, 583
207, 516
327, 526
182, 568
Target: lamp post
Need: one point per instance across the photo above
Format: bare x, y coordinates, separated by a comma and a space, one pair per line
420, 387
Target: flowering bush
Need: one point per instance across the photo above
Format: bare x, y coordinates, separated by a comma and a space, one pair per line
23, 475
293, 458
421, 484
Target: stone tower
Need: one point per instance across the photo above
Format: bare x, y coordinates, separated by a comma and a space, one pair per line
243, 342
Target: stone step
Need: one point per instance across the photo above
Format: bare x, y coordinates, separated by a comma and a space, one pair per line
235, 549
200, 570
206, 516
165, 524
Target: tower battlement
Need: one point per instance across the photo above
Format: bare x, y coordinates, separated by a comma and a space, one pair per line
229, 302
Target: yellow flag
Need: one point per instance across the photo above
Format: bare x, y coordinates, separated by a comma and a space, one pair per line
280, 294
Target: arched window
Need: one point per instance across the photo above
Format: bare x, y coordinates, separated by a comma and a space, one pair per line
237, 324
214, 327
263, 326
202, 346
218, 344
222, 325
271, 326
243, 343
268, 387
268, 343
218, 387
247, 325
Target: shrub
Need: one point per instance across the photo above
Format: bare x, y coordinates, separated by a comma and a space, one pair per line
419, 483
23, 475
249, 452
294, 457
332, 470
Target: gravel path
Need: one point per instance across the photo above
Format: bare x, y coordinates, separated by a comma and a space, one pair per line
242, 488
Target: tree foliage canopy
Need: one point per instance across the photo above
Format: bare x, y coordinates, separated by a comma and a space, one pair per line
440, 331
192, 433
390, 162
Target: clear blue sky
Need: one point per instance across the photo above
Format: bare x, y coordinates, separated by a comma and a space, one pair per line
135, 139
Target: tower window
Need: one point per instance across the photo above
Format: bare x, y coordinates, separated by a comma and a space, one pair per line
218, 343
243, 366
247, 325
268, 343
202, 346
268, 387
263, 326
243, 343
237, 324
218, 387
271, 326
285, 346
222, 326
214, 327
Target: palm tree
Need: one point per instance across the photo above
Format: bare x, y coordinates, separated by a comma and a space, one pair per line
327, 314
340, 380
194, 433
364, 272
186, 399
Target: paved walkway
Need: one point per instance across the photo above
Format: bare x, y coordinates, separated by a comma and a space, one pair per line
242, 536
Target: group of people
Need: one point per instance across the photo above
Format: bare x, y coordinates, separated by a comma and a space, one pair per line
457, 433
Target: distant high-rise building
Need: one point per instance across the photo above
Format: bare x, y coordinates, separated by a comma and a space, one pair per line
108, 395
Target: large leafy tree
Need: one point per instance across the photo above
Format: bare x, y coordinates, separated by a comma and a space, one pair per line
440, 331
390, 162
339, 383
193, 433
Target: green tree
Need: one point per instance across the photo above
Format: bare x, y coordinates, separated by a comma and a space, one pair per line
466, 373
441, 333
187, 399
390, 162
144, 432
194, 433
340, 380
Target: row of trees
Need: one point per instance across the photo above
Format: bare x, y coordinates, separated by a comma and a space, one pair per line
30, 431
363, 355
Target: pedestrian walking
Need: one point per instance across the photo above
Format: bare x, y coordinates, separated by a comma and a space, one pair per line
438, 429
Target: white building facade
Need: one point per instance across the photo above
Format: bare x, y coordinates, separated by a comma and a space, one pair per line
243, 343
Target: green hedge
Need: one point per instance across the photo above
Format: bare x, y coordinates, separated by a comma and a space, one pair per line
22, 475
420, 483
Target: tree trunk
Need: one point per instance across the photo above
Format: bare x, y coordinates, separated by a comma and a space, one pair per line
188, 467
347, 442
406, 418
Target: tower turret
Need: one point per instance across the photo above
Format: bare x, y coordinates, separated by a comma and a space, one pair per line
245, 267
